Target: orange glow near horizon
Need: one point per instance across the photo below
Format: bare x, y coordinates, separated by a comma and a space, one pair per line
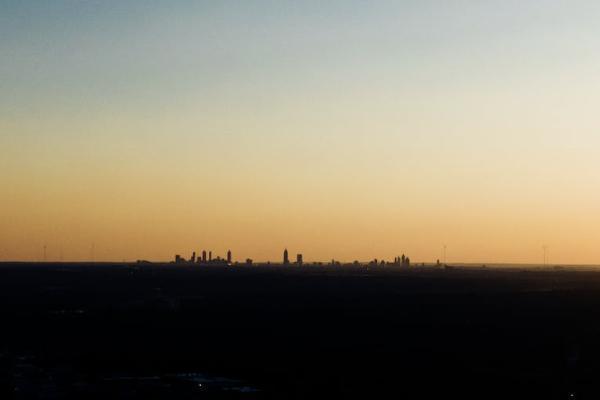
363, 135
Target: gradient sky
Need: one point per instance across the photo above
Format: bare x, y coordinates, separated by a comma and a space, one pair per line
347, 129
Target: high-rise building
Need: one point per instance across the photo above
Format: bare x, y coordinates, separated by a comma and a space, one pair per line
193, 259
203, 255
210, 256
229, 256
286, 259
299, 259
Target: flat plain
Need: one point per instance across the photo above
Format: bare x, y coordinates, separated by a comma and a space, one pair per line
161, 331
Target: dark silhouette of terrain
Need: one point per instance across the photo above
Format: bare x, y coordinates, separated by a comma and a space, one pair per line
120, 331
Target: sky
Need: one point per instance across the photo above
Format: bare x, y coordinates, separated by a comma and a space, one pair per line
341, 129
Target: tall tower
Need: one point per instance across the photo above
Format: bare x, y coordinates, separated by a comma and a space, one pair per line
203, 255
228, 256
286, 259
210, 256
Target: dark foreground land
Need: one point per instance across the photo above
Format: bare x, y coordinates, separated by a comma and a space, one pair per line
170, 332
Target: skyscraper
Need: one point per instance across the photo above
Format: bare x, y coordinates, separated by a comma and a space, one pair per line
229, 256
299, 259
203, 255
286, 259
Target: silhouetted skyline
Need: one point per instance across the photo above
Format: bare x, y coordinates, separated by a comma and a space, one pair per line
399, 261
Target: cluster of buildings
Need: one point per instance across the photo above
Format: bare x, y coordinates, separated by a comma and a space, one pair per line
400, 261
207, 259
286, 258
204, 259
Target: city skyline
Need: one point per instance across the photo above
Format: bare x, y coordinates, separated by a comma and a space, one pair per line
207, 257
347, 129
285, 260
